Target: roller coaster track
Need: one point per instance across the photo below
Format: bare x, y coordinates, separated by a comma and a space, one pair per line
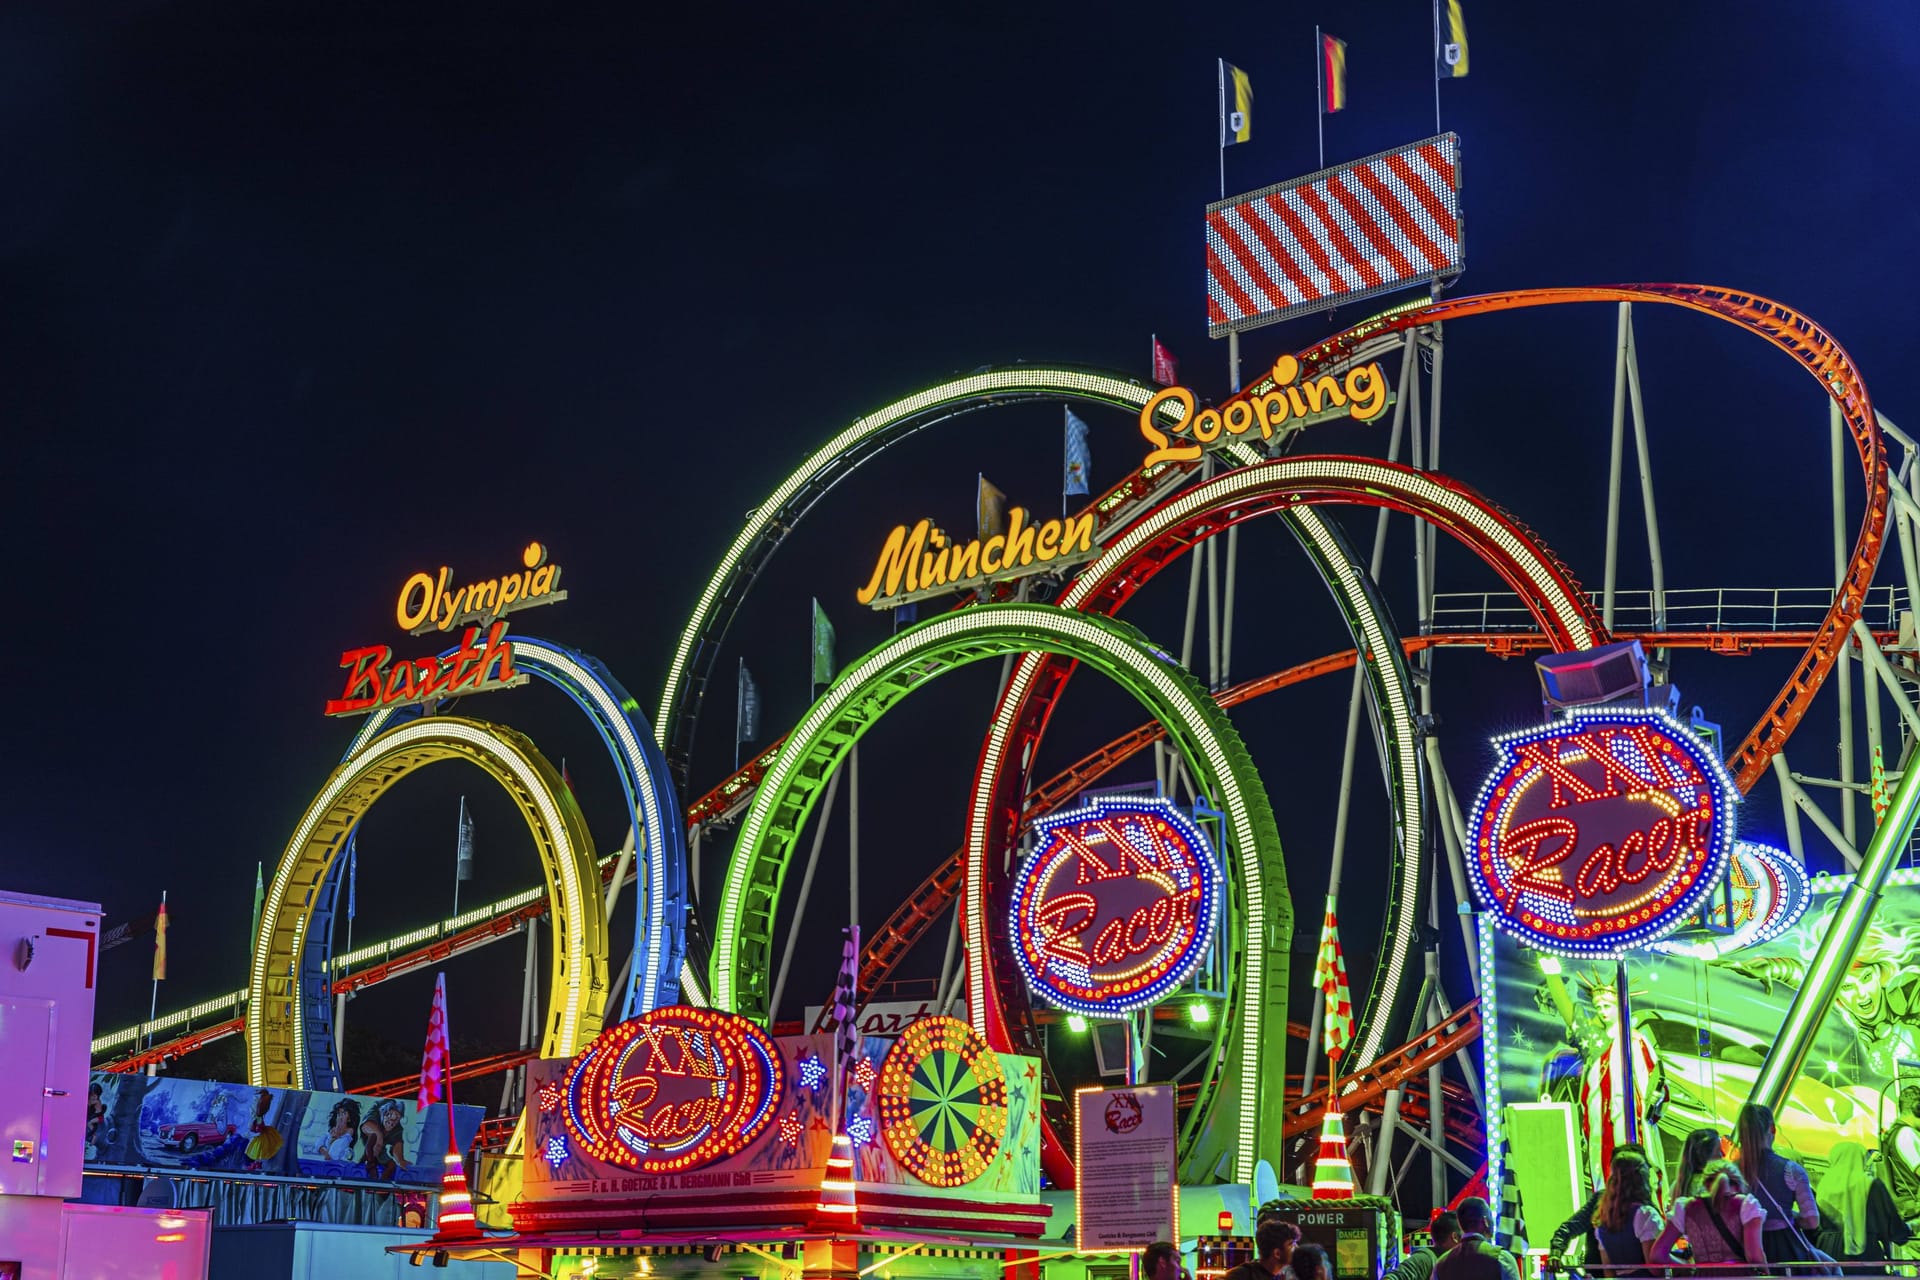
1815, 351
1368, 1086
891, 943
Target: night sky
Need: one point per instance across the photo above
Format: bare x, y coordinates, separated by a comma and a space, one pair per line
298, 300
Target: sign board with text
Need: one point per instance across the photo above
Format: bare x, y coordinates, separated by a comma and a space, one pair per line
1126, 1149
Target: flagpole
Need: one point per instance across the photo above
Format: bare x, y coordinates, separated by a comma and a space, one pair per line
1320, 93
458, 830
153, 1004
1222, 65
1436, 66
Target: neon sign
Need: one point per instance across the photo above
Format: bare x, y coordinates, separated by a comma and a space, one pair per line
673, 1089
1116, 905
943, 1102
374, 681
1281, 409
1601, 832
425, 604
922, 560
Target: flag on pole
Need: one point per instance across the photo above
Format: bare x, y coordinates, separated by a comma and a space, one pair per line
1236, 105
160, 941
822, 646
259, 896
1453, 42
463, 851
746, 720
1330, 975
1079, 456
436, 1084
846, 1000
905, 615
353, 872
1333, 71
990, 508
1166, 370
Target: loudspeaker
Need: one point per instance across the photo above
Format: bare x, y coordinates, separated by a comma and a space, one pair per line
1592, 677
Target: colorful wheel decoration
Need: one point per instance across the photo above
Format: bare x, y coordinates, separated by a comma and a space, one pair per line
943, 1102
673, 1089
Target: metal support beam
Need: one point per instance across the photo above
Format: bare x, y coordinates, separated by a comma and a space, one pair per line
806, 887
1645, 457
1834, 835
1439, 1149
1382, 1161
1789, 811
1453, 834
1842, 673
1613, 465
1877, 662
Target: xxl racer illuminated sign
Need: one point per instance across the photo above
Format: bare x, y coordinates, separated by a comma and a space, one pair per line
673, 1089
1116, 905
1601, 832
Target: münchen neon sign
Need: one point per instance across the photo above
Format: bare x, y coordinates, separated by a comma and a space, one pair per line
1601, 832
1116, 906
673, 1089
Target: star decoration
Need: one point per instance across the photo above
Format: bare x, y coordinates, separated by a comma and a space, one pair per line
864, 1075
860, 1129
813, 1073
556, 1152
549, 1096
1032, 1071
790, 1129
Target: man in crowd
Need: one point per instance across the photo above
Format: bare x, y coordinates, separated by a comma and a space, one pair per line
1161, 1261
1273, 1242
1418, 1265
1476, 1257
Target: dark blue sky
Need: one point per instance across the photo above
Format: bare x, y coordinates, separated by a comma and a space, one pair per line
298, 300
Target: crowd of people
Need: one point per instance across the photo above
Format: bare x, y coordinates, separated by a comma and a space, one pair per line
1757, 1207
1462, 1248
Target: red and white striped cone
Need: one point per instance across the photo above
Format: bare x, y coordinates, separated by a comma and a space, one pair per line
1332, 1173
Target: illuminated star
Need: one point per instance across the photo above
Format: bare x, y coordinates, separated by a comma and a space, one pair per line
813, 1073
864, 1075
556, 1150
791, 1129
549, 1097
860, 1129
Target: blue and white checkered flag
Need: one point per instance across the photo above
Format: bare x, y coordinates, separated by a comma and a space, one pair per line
1079, 456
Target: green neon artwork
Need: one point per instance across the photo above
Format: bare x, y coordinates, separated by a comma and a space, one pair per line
1198, 728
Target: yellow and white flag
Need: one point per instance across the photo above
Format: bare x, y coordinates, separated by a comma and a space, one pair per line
1236, 104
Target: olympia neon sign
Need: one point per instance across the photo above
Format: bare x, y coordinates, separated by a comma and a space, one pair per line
1601, 832
673, 1089
376, 682
1116, 905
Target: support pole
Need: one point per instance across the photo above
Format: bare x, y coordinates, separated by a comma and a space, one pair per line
1613, 466
1382, 1161
1834, 957
1453, 828
1796, 842
947, 973
1794, 791
1843, 677
1408, 355
621, 865
512, 1088
806, 887
853, 839
1233, 538
1436, 1097
1644, 456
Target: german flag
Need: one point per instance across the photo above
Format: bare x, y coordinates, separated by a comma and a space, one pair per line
1333, 72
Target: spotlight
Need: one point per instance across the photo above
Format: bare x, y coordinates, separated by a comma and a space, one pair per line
1200, 1013
1076, 1024
441, 1257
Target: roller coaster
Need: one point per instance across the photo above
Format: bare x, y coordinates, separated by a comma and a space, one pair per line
725, 953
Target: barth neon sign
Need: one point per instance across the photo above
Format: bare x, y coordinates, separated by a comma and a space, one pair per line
374, 682
1285, 407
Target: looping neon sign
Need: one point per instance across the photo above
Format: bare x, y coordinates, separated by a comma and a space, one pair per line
673, 1089
1116, 905
1601, 832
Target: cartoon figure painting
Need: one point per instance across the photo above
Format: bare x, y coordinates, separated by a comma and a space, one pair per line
343, 1129
265, 1140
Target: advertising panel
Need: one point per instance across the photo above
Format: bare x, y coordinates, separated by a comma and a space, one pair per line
1702, 1023
165, 1122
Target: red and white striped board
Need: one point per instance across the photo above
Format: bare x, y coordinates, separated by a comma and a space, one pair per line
1387, 222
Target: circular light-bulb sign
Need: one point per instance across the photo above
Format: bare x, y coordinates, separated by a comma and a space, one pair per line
1601, 832
673, 1089
943, 1102
1770, 893
1116, 905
